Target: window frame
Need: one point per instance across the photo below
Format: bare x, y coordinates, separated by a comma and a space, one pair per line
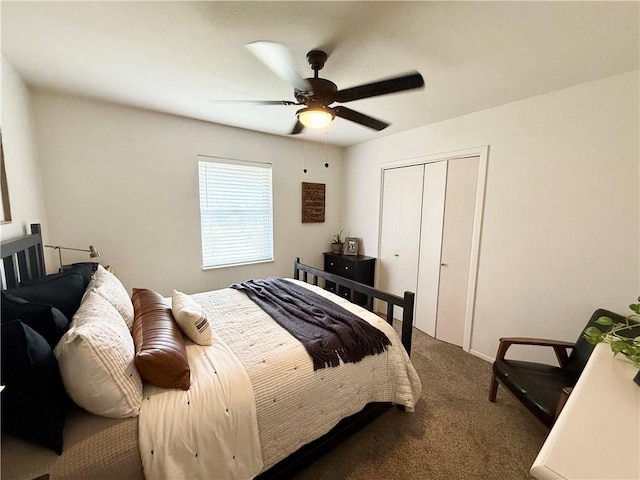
246, 163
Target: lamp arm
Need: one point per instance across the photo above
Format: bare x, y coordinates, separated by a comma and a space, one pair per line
58, 247
93, 253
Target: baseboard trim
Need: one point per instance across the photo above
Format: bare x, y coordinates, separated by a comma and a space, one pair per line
482, 356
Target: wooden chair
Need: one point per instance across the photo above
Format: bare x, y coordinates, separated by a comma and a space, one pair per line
542, 388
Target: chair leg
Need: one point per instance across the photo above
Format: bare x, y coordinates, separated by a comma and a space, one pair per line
493, 389
564, 396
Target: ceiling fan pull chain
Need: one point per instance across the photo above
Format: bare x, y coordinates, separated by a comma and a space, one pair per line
305, 156
326, 147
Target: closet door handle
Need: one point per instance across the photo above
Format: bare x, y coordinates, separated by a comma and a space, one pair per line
396, 254
444, 264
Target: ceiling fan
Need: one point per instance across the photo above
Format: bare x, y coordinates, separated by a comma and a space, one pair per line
317, 94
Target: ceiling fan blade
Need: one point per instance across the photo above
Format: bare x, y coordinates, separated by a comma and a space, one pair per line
352, 115
382, 87
278, 58
297, 128
254, 102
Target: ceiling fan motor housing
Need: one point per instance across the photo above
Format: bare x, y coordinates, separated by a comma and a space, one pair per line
322, 92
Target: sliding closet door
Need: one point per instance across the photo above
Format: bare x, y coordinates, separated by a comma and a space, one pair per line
400, 230
460, 200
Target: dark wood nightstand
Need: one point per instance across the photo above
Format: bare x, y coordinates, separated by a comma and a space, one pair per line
354, 267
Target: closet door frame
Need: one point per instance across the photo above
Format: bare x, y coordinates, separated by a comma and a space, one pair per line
482, 152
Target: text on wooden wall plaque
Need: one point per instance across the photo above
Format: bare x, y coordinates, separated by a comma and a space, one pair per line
313, 202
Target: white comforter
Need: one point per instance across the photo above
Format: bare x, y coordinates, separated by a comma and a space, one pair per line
293, 403
208, 431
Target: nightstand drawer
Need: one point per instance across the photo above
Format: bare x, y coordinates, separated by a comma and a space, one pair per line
353, 267
343, 268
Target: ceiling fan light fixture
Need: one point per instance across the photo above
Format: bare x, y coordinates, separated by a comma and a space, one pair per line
315, 117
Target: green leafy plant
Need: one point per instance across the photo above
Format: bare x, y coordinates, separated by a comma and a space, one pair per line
615, 335
337, 238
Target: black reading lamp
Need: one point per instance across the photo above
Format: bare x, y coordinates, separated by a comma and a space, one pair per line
93, 253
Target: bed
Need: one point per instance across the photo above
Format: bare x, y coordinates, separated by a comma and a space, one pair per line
290, 429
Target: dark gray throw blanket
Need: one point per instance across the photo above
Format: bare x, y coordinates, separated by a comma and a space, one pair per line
328, 332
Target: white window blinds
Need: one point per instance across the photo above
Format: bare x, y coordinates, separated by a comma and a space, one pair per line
236, 213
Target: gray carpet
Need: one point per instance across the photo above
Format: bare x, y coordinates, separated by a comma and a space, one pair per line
455, 432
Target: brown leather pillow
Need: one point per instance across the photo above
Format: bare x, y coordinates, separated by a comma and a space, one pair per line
161, 356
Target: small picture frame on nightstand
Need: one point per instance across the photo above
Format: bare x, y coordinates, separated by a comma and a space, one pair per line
350, 246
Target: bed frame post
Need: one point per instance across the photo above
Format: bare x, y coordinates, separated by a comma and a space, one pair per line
407, 320
296, 271
37, 260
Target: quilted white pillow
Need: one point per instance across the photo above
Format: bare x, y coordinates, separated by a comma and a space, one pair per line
191, 318
111, 289
96, 361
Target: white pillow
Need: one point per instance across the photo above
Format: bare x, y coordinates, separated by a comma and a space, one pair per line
96, 360
191, 318
111, 289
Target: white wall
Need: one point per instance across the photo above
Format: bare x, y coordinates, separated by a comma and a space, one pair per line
126, 180
21, 157
561, 221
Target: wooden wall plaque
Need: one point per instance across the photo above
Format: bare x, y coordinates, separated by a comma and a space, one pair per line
313, 202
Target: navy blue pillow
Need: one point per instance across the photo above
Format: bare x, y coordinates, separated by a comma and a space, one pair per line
86, 269
48, 321
61, 290
34, 402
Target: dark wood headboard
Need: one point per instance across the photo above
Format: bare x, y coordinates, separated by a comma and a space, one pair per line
22, 258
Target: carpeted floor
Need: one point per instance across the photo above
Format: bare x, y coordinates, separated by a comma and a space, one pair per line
455, 432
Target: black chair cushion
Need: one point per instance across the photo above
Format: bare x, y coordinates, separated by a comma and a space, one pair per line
536, 385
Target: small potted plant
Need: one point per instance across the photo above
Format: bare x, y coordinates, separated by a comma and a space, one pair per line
618, 336
336, 242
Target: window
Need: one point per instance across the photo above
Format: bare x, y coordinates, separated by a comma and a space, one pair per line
236, 213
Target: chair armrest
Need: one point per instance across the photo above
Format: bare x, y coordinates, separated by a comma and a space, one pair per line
559, 346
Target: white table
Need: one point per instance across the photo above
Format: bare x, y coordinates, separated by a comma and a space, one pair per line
597, 435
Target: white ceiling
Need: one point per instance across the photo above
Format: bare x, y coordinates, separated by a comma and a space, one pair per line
176, 57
